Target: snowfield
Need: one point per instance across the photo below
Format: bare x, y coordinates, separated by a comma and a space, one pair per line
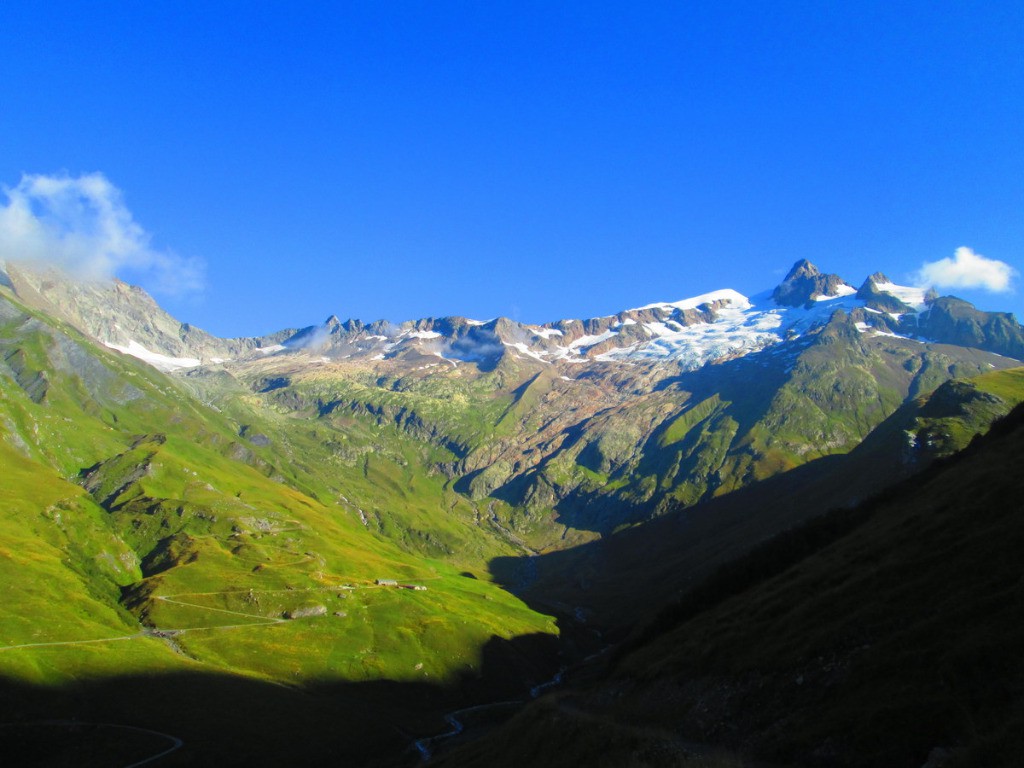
160, 362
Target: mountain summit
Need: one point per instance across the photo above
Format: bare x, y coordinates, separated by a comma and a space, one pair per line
688, 334
805, 284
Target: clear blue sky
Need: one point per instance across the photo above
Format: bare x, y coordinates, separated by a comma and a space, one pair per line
536, 160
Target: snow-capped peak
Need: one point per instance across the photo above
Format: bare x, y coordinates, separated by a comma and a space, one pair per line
689, 332
724, 296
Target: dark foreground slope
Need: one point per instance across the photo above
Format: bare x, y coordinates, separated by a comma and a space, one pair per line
885, 635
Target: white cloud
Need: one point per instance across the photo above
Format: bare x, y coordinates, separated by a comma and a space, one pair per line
81, 224
967, 269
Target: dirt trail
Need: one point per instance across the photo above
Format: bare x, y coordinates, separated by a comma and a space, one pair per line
150, 632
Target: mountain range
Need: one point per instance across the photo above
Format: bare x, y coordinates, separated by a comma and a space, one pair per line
235, 519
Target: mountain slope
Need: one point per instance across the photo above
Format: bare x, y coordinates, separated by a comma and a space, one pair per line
556, 456
142, 533
665, 557
123, 317
244, 514
548, 436
887, 634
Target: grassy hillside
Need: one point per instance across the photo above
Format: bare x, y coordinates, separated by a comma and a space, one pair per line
147, 535
665, 557
332, 542
875, 636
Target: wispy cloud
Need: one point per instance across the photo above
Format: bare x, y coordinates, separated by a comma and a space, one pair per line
82, 225
967, 269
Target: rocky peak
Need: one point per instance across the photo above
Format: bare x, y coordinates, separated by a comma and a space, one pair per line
954, 321
123, 316
878, 278
803, 268
446, 326
804, 284
877, 299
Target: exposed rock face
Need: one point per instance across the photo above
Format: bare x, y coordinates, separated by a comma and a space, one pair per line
877, 299
306, 613
117, 314
954, 321
804, 284
127, 318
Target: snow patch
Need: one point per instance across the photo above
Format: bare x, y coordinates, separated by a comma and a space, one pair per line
589, 341
736, 330
865, 328
546, 333
913, 297
727, 295
841, 291
163, 363
522, 348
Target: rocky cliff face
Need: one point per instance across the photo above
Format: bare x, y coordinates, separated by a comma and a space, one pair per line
805, 284
124, 317
955, 321
688, 334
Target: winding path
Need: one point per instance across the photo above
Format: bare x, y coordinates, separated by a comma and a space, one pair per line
155, 631
176, 743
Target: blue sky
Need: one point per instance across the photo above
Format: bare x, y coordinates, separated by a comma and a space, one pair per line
279, 162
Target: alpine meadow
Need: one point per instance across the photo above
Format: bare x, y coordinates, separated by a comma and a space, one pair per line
588, 384
315, 546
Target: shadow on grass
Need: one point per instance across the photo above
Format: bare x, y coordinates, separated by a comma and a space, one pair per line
884, 634
224, 719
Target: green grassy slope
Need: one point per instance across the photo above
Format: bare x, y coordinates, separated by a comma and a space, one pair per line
234, 528
144, 533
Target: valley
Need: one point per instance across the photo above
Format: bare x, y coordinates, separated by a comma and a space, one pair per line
315, 545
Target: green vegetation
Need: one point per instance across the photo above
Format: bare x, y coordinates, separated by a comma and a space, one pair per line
882, 609
142, 533
224, 531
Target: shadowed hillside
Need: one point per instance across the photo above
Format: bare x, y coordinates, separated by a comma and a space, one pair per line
888, 634
230, 719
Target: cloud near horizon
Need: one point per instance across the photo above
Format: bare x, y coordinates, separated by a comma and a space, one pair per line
967, 270
82, 225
